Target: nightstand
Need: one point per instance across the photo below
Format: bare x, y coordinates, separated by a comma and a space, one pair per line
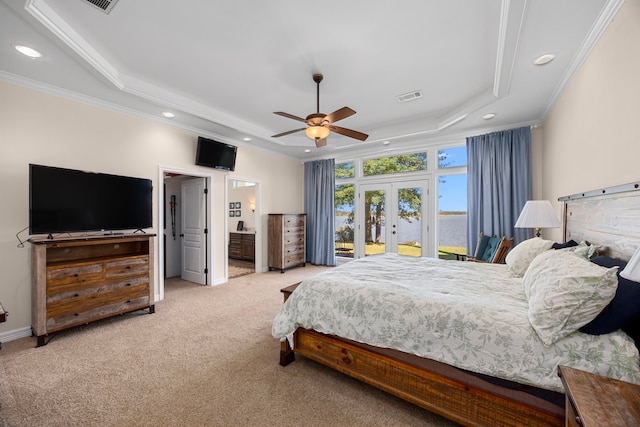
596, 401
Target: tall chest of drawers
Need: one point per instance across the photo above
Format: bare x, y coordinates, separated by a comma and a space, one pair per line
80, 280
287, 235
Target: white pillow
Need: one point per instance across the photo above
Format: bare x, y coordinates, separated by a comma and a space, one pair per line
566, 292
519, 258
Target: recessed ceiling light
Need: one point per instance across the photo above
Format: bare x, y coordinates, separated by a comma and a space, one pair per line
307, 150
168, 114
544, 59
489, 116
28, 51
246, 139
386, 143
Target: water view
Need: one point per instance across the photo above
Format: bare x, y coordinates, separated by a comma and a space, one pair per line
452, 230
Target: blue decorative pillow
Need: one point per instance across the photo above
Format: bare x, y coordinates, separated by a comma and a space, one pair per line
491, 249
623, 312
482, 246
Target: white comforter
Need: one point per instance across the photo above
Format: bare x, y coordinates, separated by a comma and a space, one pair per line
469, 315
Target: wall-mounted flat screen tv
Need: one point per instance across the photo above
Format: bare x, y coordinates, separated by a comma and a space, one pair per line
67, 200
215, 154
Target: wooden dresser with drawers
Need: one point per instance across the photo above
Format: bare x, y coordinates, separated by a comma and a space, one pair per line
287, 234
80, 280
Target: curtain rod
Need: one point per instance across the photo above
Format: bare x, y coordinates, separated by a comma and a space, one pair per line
634, 186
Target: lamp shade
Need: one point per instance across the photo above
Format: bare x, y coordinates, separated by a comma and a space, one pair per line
632, 270
317, 132
537, 214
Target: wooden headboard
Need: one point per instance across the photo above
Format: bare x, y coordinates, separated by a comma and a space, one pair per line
609, 217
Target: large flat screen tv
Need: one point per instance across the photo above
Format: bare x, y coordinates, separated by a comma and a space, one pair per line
68, 200
215, 154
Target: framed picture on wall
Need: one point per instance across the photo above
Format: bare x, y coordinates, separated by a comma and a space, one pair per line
238, 205
238, 213
232, 213
232, 205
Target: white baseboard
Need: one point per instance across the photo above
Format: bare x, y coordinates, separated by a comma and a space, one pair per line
16, 334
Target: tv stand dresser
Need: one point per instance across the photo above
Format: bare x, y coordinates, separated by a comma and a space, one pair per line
77, 280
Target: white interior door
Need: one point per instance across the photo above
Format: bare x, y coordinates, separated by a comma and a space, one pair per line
193, 231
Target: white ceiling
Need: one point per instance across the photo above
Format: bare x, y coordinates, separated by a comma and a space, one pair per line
224, 67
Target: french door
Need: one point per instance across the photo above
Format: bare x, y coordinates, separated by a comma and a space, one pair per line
391, 218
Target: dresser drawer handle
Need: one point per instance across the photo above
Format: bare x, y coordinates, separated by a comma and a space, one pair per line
76, 314
76, 275
128, 267
128, 284
76, 295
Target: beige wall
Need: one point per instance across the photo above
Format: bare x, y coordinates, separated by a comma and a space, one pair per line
36, 127
591, 135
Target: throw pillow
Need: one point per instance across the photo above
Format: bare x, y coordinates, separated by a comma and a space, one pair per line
566, 292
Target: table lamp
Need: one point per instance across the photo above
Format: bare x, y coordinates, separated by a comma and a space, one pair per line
632, 270
537, 214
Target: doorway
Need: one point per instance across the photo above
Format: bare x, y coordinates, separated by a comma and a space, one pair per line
243, 225
172, 218
392, 218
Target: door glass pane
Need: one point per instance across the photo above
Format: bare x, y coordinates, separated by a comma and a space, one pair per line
374, 209
344, 218
409, 222
452, 215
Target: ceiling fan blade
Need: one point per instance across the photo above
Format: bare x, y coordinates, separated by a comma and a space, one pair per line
287, 133
321, 142
290, 116
348, 132
340, 114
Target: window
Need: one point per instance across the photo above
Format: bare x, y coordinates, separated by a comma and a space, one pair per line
452, 157
345, 170
452, 203
440, 217
395, 164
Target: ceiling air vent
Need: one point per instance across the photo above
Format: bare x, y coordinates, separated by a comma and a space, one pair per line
409, 96
103, 5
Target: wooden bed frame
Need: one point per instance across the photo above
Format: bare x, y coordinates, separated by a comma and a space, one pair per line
608, 217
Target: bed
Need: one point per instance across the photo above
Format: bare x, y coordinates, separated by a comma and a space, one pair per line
475, 365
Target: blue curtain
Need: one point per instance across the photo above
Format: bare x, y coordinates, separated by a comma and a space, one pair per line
499, 183
319, 186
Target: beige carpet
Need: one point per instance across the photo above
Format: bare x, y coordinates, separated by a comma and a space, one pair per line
205, 358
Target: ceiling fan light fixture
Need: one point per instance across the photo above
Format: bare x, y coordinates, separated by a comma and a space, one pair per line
317, 132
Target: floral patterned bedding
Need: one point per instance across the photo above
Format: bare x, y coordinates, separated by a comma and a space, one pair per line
469, 315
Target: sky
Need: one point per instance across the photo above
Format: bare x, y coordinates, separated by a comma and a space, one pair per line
452, 189
452, 192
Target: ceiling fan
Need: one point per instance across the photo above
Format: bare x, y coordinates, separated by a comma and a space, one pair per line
319, 125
